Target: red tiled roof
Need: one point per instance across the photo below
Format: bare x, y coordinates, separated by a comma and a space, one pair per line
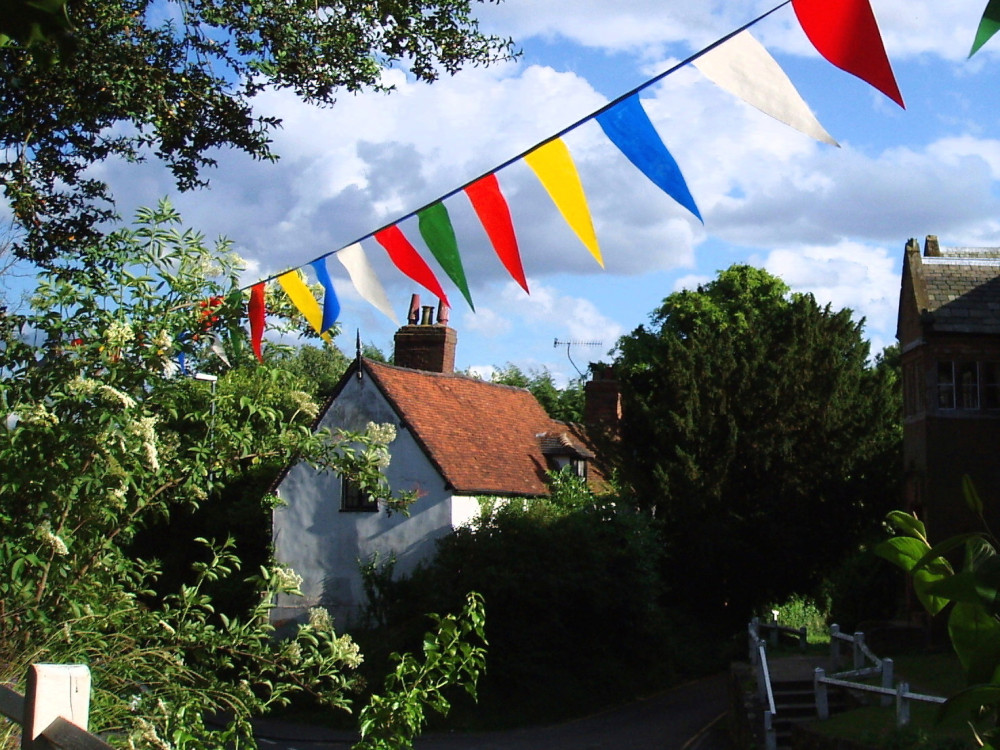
484, 438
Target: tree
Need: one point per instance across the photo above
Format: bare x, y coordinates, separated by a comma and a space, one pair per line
177, 80
758, 433
565, 404
103, 438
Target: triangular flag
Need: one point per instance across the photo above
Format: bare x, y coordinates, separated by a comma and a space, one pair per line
987, 26
491, 208
256, 313
553, 165
365, 281
846, 34
302, 297
406, 259
331, 306
629, 128
745, 69
437, 231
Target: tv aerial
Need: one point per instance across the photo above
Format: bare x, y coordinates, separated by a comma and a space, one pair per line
557, 343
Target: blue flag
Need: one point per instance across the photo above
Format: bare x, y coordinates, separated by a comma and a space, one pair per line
331, 306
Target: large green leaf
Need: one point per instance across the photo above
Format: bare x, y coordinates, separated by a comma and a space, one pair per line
975, 635
906, 553
909, 524
967, 702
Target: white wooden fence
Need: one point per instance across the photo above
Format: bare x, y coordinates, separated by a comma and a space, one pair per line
55, 711
865, 664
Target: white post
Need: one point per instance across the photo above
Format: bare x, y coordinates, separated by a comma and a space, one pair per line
774, 631
902, 705
887, 678
770, 738
54, 690
819, 687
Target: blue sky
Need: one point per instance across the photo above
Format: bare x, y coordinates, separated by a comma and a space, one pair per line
831, 221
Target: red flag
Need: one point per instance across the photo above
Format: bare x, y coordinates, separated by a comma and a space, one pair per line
846, 34
255, 311
406, 259
492, 210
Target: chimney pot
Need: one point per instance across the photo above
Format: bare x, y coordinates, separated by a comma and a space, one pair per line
427, 316
414, 315
443, 312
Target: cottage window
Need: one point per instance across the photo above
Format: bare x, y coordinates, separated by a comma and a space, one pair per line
355, 499
579, 467
946, 385
968, 383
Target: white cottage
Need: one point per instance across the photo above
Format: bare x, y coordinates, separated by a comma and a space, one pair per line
457, 439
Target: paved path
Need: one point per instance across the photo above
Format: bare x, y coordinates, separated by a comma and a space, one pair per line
687, 717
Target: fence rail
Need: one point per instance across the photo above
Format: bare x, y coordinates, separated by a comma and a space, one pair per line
865, 664
53, 715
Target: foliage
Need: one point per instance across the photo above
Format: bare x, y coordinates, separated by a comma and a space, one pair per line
801, 611
565, 404
757, 432
320, 367
103, 439
451, 654
970, 593
574, 591
178, 79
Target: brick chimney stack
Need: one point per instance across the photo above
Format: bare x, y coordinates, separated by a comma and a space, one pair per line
602, 406
423, 344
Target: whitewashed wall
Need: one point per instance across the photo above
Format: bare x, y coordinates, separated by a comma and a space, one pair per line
324, 544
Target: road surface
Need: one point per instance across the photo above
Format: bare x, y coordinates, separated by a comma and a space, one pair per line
688, 717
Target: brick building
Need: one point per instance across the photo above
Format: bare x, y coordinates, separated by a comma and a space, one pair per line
949, 335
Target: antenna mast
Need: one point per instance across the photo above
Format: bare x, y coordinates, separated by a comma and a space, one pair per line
557, 343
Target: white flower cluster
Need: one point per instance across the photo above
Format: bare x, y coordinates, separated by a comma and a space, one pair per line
113, 396
381, 433
117, 334
286, 578
36, 414
53, 542
304, 403
319, 618
82, 387
350, 652
145, 429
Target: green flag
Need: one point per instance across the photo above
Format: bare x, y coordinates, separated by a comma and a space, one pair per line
436, 229
988, 26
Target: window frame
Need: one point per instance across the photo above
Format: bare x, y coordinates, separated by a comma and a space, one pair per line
355, 500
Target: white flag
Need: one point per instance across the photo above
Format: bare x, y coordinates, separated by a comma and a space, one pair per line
745, 69
364, 279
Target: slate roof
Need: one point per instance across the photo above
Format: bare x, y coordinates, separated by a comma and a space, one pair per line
484, 438
961, 290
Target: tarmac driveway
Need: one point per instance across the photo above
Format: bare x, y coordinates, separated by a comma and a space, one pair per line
688, 717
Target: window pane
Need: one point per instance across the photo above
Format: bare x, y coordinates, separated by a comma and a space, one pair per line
946, 385
990, 372
968, 378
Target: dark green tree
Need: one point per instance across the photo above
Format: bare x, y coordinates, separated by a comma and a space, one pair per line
177, 80
565, 404
758, 432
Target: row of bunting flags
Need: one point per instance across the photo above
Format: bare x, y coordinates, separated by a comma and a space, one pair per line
844, 32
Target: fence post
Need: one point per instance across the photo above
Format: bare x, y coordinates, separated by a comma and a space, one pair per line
802, 638
902, 705
770, 738
835, 644
887, 678
774, 630
859, 655
819, 687
54, 690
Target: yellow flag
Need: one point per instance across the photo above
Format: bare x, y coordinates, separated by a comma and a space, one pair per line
303, 298
554, 167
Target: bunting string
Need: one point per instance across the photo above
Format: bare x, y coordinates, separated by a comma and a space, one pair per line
845, 33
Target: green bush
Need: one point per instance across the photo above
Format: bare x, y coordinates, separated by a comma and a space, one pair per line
573, 592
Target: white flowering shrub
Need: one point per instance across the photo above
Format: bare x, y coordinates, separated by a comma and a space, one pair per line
102, 439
